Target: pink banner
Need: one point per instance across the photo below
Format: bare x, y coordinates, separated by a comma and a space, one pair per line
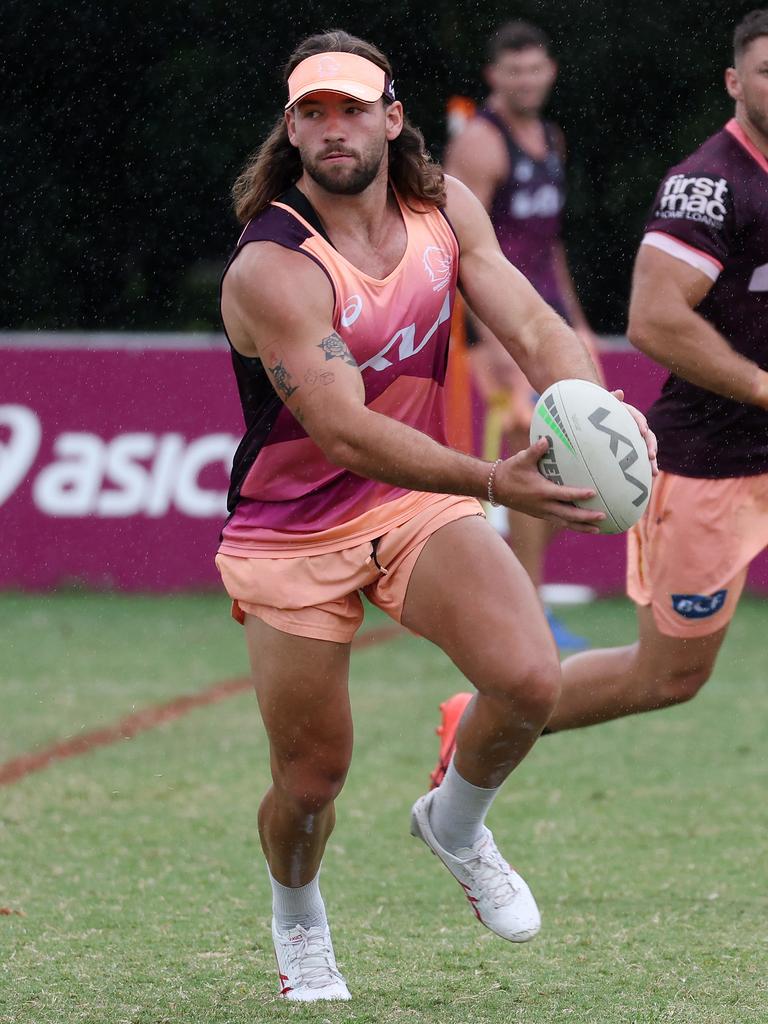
115, 454
114, 465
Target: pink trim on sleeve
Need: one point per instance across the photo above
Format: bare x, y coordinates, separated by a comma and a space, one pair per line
743, 139
682, 251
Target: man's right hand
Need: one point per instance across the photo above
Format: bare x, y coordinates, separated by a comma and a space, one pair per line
518, 484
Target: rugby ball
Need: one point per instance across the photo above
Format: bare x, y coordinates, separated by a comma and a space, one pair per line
594, 442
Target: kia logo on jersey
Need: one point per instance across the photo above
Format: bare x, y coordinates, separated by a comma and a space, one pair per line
438, 264
698, 606
403, 344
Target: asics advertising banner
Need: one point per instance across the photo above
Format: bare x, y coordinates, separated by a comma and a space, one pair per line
115, 452
114, 461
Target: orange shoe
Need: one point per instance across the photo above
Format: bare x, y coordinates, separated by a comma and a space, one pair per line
451, 711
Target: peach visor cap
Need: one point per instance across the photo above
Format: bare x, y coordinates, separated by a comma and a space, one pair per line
346, 73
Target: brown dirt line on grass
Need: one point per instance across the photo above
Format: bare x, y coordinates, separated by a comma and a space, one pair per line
150, 717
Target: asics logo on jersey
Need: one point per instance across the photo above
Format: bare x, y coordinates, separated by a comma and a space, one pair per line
405, 340
698, 606
438, 264
628, 460
353, 307
698, 198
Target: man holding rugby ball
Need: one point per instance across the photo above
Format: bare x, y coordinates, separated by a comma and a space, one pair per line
337, 304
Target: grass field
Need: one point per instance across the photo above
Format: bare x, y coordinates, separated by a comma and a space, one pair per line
144, 898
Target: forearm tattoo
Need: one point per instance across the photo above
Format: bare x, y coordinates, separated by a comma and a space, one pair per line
282, 380
335, 348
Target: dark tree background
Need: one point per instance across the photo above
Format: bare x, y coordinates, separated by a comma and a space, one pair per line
124, 124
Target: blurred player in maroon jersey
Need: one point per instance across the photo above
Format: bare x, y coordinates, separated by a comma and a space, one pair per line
700, 307
514, 162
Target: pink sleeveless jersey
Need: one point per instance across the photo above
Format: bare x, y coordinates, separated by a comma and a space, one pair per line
285, 497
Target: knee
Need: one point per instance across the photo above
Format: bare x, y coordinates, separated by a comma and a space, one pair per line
540, 686
531, 685
681, 683
664, 682
311, 784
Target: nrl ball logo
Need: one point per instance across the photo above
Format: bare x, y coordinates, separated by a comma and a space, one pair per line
438, 264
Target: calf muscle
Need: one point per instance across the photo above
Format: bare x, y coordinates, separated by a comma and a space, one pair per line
301, 687
655, 672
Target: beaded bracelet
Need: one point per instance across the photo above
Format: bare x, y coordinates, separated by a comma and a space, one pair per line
491, 499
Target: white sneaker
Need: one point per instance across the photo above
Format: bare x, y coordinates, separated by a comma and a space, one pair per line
306, 964
498, 895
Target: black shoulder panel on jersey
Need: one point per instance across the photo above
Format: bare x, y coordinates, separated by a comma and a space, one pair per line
261, 405
299, 202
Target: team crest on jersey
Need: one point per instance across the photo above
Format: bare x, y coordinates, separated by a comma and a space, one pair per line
523, 170
544, 201
698, 198
698, 606
438, 264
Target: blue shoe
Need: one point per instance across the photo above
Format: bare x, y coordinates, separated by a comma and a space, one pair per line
564, 638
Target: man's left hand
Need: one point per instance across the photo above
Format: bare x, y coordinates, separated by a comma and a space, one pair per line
648, 435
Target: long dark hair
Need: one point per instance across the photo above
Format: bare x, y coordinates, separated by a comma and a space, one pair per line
276, 165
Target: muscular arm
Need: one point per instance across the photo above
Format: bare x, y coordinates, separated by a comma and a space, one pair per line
664, 325
543, 345
478, 158
278, 306
568, 289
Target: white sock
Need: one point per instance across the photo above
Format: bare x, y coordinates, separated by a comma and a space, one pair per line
302, 905
457, 811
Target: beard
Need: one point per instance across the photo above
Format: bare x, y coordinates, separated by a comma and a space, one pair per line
344, 180
527, 106
758, 116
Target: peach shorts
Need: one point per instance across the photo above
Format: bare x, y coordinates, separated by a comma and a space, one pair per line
318, 595
688, 556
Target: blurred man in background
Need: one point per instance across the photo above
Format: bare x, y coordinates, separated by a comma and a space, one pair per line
699, 306
514, 162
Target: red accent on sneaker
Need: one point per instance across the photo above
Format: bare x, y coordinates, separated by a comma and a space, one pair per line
472, 899
451, 711
284, 989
